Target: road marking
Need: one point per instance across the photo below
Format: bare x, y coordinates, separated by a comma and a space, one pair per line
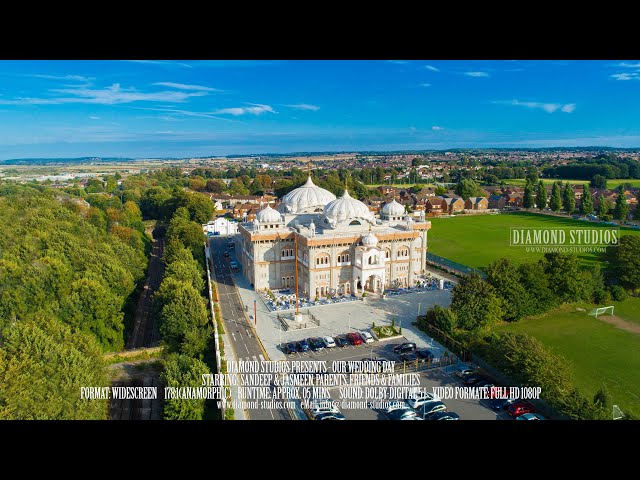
234, 337
262, 358
247, 348
248, 333
239, 331
255, 359
271, 412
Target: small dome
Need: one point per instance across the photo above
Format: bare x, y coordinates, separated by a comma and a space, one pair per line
370, 240
346, 208
308, 197
393, 208
268, 215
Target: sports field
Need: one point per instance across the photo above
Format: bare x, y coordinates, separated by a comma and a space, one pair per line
478, 240
598, 351
612, 183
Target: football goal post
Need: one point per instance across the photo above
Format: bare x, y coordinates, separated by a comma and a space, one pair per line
599, 311
617, 413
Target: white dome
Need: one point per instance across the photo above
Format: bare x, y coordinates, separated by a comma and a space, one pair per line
346, 208
308, 196
268, 215
370, 240
393, 208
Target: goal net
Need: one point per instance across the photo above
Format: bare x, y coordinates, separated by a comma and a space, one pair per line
617, 413
599, 311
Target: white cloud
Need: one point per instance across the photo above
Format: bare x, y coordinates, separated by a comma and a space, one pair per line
547, 107
161, 63
476, 74
254, 109
182, 86
75, 78
111, 95
628, 65
93, 117
626, 76
304, 106
425, 85
432, 68
436, 128
398, 62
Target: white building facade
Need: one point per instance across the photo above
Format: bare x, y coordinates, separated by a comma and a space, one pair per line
338, 245
221, 226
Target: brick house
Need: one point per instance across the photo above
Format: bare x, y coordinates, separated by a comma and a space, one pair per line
476, 203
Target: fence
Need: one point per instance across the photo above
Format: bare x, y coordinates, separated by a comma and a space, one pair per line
450, 265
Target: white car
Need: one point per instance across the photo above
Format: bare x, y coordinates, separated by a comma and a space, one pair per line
366, 337
329, 342
324, 409
463, 371
418, 400
396, 405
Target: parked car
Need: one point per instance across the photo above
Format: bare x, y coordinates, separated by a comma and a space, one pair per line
404, 348
472, 379
315, 343
464, 370
397, 405
409, 357
330, 416
341, 341
424, 355
366, 337
303, 346
444, 416
216, 233
401, 413
324, 408
226, 254
290, 348
520, 408
354, 338
418, 401
428, 408
233, 264
328, 341
530, 416
502, 403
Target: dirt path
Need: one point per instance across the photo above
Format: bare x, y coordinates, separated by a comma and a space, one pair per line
145, 328
620, 323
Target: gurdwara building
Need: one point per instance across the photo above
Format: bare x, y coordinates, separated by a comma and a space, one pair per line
337, 245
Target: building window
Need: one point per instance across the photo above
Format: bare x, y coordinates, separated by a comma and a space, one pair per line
324, 260
387, 254
403, 252
355, 222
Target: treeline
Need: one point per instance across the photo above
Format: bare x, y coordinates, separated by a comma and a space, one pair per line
181, 308
606, 165
512, 292
67, 270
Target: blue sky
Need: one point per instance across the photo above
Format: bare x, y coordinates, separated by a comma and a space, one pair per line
157, 108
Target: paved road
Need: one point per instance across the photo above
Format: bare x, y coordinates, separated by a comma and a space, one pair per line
242, 339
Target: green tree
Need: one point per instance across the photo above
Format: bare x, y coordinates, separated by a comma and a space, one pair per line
527, 201
586, 206
539, 296
43, 366
565, 276
624, 262
215, 186
603, 206
197, 183
599, 182
568, 199
183, 371
556, 200
504, 276
468, 188
444, 319
200, 208
621, 210
186, 271
541, 197
475, 303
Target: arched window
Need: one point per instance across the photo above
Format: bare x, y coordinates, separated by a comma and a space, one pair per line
355, 222
387, 254
322, 260
403, 252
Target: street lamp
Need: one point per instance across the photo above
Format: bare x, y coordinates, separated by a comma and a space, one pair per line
419, 308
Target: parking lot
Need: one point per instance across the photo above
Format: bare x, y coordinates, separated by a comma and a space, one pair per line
429, 378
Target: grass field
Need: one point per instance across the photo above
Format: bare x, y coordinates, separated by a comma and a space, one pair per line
476, 241
613, 183
599, 352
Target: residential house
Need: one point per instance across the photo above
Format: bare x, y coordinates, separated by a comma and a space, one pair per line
453, 205
476, 203
497, 201
435, 205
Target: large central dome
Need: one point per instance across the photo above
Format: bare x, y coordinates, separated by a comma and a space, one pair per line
308, 198
346, 211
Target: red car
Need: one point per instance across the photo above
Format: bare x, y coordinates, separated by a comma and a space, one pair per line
354, 338
520, 408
